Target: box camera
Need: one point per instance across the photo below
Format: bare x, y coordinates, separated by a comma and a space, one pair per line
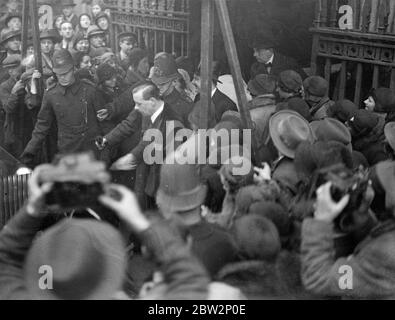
79, 179
344, 181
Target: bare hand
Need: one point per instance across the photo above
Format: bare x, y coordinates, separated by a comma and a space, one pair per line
101, 143
262, 174
18, 87
125, 163
36, 75
35, 203
326, 209
125, 204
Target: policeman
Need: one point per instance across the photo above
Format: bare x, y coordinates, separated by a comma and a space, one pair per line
71, 104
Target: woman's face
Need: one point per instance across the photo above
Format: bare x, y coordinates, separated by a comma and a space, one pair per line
111, 83
86, 62
143, 67
103, 23
82, 45
370, 104
96, 10
85, 21
30, 51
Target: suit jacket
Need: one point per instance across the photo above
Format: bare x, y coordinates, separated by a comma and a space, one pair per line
148, 175
222, 103
280, 64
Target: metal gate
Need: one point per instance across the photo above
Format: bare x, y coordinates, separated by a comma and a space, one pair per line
13, 193
161, 25
365, 51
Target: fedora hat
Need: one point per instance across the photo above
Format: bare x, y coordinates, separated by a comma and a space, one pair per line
9, 35
87, 258
180, 187
50, 34
330, 129
287, 130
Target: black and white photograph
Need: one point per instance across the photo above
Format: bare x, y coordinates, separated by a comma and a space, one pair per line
210, 153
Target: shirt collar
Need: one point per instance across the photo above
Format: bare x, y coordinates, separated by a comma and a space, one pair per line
157, 112
271, 59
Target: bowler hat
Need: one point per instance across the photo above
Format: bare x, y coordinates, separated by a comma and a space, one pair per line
316, 86
62, 61
86, 258
165, 69
330, 129
262, 84
263, 41
12, 61
180, 187
287, 130
8, 35
290, 81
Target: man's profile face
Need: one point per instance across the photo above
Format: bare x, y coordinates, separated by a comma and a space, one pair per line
67, 31
263, 55
146, 107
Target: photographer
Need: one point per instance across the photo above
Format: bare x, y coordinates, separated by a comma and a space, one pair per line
96, 269
370, 270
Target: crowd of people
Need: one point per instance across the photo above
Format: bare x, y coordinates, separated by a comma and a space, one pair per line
312, 217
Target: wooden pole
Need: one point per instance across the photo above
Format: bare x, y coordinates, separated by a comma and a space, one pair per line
36, 43
206, 56
233, 59
25, 27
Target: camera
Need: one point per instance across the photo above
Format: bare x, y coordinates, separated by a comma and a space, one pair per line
78, 180
344, 181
